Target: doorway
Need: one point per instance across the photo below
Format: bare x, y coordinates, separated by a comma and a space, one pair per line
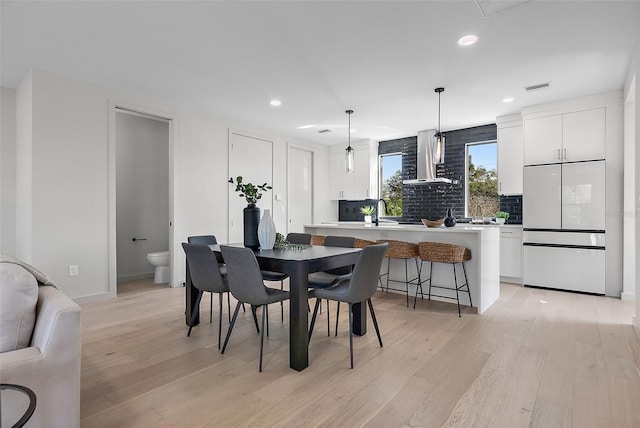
300, 191
140, 194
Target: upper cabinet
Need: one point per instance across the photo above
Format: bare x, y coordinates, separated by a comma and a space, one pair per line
510, 154
568, 137
355, 185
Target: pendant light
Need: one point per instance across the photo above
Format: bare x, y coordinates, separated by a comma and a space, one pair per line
349, 152
438, 138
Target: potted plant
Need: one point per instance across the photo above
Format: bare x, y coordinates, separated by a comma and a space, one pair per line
251, 214
501, 217
367, 210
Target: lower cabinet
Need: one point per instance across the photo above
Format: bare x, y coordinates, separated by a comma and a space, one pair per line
511, 254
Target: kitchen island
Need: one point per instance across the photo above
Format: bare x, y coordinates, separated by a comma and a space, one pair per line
483, 270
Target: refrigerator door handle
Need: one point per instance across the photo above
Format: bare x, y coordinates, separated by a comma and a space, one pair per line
559, 158
564, 154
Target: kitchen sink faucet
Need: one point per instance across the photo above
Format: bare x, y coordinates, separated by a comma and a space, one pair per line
378, 212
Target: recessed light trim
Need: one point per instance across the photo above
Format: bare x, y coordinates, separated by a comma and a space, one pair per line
467, 40
508, 99
275, 103
305, 126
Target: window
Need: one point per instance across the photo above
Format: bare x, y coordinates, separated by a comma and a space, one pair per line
482, 179
391, 183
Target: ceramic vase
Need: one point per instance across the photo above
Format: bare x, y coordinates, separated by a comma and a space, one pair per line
251, 217
267, 231
450, 220
367, 219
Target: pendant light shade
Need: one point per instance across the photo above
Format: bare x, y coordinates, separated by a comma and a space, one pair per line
349, 153
438, 138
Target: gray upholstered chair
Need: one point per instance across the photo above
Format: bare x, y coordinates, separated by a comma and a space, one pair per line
293, 238
210, 240
246, 285
358, 289
326, 279
205, 276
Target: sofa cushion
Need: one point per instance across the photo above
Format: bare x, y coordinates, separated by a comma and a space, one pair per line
18, 298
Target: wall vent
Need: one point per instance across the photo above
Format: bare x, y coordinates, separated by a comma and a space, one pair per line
324, 131
538, 86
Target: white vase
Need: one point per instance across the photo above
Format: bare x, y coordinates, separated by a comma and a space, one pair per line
500, 220
266, 231
367, 219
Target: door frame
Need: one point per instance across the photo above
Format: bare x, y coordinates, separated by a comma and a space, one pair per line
313, 179
114, 106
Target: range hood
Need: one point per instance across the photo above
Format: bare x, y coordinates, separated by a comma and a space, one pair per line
426, 168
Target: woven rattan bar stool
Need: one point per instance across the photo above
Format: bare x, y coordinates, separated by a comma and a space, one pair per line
438, 252
317, 239
361, 243
403, 251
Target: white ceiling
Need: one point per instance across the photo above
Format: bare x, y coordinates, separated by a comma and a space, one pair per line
382, 59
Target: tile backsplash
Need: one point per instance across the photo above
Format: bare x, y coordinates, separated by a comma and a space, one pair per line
512, 205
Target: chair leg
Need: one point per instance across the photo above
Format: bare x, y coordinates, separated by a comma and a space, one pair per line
430, 273
195, 312
211, 309
229, 305
313, 318
255, 317
467, 282
266, 309
337, 317
455, 281
388, 271
418, 286
264, 315
406, 279
233, 321
375, 321
351, 334
220, 299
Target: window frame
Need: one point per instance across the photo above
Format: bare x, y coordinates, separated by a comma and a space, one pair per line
466, 169
380, 179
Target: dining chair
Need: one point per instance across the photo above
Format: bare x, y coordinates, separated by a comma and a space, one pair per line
293, 238
359, 288
329, 278
211, 240
205, 276
246, 285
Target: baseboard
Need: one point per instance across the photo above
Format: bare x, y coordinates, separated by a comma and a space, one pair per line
511, 280
635, 321
92, 298
136, 277
628, 297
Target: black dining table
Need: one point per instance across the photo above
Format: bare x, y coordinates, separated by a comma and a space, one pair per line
297, 263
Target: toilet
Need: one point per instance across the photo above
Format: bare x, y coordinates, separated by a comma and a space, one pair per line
160, 260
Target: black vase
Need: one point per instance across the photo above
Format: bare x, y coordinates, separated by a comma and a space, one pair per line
450, 220
251, 220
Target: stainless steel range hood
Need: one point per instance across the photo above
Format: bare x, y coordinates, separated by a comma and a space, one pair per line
426, 168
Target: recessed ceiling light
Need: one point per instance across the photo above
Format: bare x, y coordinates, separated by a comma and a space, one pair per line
276, 103
305, 127
467, 40
508, 99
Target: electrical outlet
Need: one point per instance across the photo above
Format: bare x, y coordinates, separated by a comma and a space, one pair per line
73, 270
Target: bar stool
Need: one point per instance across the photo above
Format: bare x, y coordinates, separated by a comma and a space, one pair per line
317, 239
403, 251
438, 252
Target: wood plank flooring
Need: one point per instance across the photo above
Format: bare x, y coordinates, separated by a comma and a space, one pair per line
537, 358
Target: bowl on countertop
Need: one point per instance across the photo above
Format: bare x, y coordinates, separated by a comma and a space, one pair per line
433, 223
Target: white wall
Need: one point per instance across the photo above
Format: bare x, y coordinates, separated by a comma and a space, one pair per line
629, 260
142, 193
24, 118
70, 181
7, 171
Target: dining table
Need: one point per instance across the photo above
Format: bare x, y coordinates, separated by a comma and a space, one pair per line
297, 262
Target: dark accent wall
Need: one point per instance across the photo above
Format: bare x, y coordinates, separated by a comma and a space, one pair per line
432, 200
350, 210
512, 205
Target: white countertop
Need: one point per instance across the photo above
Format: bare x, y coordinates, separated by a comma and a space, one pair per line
460, 227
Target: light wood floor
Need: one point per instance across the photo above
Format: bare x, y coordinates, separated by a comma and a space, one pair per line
536, 358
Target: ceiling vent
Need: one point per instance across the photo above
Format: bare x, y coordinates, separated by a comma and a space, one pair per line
536, 87
324, 131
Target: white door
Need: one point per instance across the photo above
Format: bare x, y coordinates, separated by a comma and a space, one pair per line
300, 193
541, 201
251, 158
583, 195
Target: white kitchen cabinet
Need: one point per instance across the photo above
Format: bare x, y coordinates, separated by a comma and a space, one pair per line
510, 159
511, 253
568, 137
583, 135
352, 186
